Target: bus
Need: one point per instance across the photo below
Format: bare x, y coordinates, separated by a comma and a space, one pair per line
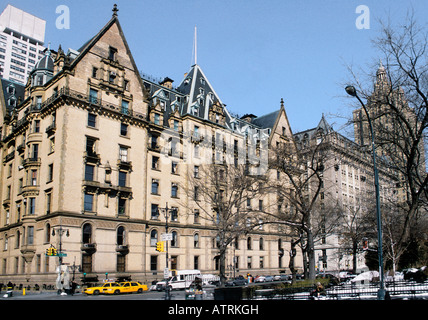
179, 279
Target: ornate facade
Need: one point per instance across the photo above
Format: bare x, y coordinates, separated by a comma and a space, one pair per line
85, 169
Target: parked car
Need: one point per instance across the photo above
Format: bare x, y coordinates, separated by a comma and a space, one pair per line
132, 286
100, 288
260, 279
238, 281
114, 288
284, 277
268, 278
281, 277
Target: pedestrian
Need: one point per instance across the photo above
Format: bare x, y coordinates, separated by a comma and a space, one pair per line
73, 286
318, 291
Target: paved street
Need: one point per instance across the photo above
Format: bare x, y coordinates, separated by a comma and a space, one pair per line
51, 295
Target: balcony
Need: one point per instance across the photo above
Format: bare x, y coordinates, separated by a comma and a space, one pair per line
196, 137
122, 249
28, 252
33, 161
89, 248
91, 157
30, 190
123, 164
9, 156
21, 148
51, 129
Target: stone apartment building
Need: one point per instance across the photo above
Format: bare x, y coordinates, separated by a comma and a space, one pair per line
85, 169
347, 185
388, 128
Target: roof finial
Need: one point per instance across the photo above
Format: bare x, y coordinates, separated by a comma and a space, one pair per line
115, 10
48, 52
282, 102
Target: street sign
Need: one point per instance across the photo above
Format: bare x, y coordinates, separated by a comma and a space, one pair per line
166, 236
166, 273
57, 255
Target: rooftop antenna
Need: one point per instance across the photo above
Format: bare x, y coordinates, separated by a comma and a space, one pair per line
195, 47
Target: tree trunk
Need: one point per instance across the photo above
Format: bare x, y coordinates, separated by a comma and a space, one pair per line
354, 256
310, 255
222, 265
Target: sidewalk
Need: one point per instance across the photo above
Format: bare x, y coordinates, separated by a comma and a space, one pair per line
24, 293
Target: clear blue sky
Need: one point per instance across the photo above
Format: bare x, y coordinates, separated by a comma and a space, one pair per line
254, 52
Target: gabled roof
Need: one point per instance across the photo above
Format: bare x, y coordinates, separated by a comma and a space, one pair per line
10, 91
267, 121
201, 95
90, 43
323, 126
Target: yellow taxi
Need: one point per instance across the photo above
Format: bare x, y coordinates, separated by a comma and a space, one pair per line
132, 286
100, 289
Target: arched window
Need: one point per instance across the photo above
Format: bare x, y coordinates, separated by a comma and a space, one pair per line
18, 239
174, 241
48, 233
153, 237
261, 244
249, 243
196, 240
6, 242
120, 236
87, 233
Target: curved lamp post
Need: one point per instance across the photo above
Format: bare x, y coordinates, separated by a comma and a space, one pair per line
381, 293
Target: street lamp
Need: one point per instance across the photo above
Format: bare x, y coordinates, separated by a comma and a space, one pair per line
60, 231
381, 293
165, 212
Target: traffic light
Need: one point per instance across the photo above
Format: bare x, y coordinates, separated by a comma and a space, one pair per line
51, 251
160, 246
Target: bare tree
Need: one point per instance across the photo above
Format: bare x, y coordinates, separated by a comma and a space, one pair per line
304, 199
220, 192
398, 108
358, 225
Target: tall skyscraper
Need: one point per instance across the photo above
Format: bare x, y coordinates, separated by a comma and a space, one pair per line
22, 37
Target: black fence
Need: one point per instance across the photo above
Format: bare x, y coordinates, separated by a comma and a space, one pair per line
352, 291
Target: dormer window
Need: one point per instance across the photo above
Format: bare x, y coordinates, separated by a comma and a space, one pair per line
94, 72
12, 102
112, 54
156, 118
11, 89
195, 110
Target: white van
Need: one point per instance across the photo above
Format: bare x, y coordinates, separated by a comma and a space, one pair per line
179, 279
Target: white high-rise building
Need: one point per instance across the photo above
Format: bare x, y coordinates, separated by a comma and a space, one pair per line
22, 37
